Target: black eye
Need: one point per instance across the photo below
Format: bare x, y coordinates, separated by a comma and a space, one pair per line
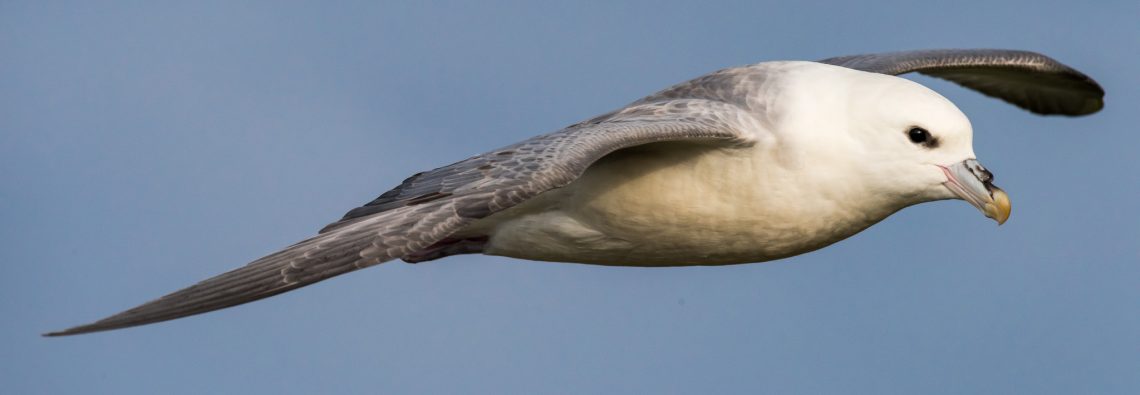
918, 135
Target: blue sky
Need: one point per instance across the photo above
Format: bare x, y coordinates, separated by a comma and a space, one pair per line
144, 147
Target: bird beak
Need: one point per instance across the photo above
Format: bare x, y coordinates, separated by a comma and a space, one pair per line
972, 182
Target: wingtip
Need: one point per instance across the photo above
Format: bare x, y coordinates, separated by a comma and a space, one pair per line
1091, 107
77, 330
65, 332
107, 324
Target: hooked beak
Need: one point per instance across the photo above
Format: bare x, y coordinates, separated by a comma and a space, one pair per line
972, 182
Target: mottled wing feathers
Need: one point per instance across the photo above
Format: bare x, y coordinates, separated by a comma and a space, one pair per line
552, 160
1026, 79
366, 243
429, 206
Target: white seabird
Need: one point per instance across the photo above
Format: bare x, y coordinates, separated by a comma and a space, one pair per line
747, 164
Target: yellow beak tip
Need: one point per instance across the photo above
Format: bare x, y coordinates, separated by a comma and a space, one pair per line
1000, 208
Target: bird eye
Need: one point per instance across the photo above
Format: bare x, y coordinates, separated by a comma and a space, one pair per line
918, 135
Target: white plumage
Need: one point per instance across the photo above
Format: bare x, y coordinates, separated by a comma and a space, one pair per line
745, 164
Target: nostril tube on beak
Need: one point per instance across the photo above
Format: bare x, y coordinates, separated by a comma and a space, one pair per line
973, 183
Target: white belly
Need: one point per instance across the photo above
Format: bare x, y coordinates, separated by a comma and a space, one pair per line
671, 204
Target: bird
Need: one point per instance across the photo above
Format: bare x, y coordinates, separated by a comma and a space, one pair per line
746, 164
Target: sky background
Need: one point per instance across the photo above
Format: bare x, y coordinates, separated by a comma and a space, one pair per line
144, 147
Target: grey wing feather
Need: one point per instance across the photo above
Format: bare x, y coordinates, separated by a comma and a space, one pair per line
561, 155
1026, 79
429, 206
383, 238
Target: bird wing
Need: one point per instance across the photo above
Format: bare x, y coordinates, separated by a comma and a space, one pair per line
429, 206
1025, 79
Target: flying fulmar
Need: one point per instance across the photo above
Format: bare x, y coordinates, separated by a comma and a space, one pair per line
746, 164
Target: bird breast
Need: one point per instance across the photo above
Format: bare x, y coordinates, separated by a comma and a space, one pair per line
676, 204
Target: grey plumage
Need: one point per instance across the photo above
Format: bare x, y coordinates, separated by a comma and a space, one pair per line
397, 224
428, 207
1025, 79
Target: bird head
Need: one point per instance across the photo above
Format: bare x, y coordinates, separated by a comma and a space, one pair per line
923, 143
898, 139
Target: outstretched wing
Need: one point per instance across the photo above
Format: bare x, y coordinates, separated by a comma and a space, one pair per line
1025, 79
429, 206
556, 159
